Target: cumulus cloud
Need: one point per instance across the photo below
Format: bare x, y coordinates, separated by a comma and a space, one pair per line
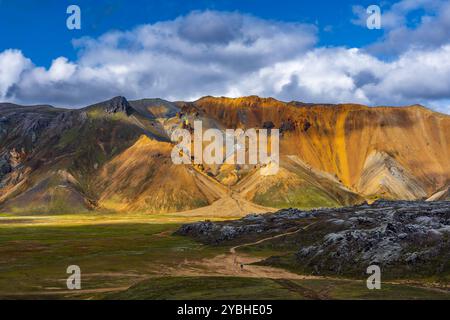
12, 65
395, 15
231, 54
198, 54
352, 75
416, 76
432, 29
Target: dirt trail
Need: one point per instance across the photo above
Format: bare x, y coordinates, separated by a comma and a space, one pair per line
233, 250
239, 264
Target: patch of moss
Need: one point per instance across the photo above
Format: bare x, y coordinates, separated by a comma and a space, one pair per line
68, 137
302, 197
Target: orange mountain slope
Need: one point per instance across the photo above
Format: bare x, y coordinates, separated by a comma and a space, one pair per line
342, 139
116, 155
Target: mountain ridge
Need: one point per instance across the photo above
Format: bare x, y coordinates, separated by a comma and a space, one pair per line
250, 98
357, 152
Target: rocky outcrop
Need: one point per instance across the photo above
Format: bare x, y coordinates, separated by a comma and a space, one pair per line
385, 234
118, 104
4, 122
219, 232
396, 235
5, 166
114, 105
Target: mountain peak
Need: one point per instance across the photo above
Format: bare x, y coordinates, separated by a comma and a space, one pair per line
118, 104
114, 105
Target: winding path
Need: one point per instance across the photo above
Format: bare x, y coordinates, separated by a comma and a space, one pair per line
238, 264
233, 250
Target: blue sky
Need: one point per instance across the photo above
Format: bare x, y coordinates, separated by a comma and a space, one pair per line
38, 27
318, 51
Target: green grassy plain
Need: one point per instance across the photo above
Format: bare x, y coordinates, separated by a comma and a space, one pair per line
131, 257
36, 250
222, 288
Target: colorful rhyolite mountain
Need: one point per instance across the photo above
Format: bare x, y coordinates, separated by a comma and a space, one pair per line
115, 155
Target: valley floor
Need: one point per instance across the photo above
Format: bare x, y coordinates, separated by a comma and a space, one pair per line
136, 256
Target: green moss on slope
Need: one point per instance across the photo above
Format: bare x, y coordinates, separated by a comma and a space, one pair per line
302, 197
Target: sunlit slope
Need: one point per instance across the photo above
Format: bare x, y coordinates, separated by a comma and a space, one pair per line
339, 139
384, 177
144, 178
50, 192
296, 185
441, 195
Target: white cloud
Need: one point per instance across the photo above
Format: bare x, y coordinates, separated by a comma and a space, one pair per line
322, 75
431, 30
12, 65
417, 76
395, 15
198, 54
216, 53
333, 75
61, 70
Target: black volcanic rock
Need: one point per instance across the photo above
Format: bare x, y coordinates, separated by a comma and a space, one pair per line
67, 120
5, 167
22, 126
114, 105
287, 125
268, 125
399, 236
4, 123
306, 125
118, 104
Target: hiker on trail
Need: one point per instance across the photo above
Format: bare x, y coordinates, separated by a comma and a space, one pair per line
242, 266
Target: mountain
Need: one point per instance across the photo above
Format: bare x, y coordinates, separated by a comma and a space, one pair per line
41, 146
143, 177
365, 148
115, 155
